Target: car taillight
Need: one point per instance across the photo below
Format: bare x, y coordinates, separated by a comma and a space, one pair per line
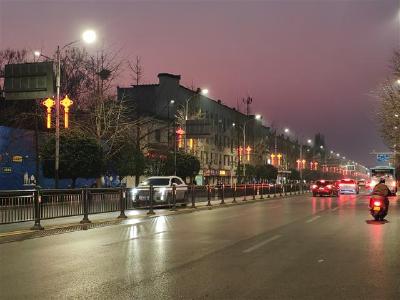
340, 184
377, 203
314, 186
329, 186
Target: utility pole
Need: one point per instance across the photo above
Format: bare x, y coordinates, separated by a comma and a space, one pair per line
247, 102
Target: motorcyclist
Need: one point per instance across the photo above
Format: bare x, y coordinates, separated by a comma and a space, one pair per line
381, 191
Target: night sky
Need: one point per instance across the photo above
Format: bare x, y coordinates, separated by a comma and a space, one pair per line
309, 65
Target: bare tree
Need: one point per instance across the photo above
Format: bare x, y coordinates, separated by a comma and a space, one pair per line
137, 70
388, 114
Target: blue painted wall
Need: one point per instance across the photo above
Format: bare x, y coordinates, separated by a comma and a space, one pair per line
19, 142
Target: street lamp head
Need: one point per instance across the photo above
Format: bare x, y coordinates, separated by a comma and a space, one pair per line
233, 124
398, 81
257, 117
322, 147
204, 91
37, 53
89, 36
309, 141
337, 154
172, 101
331, 151
286, 130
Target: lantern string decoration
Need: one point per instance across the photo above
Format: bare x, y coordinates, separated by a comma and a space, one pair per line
49, 103
66, 102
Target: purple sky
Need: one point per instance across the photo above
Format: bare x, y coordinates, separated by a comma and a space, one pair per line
309, 65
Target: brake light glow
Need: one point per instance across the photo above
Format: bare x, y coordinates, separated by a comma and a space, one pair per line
314, 186
377, 203
329, 186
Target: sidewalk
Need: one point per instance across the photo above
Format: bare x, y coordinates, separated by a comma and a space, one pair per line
133, 216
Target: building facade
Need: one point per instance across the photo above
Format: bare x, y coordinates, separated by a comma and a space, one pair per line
221, 137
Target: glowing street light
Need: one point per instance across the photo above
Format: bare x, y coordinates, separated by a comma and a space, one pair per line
204, 91
286, 130
88, 36
243, 127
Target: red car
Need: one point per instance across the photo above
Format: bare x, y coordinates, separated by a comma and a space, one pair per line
325, 188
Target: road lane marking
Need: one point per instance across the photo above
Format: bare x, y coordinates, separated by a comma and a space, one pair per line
313, 219
335, 209
275, 237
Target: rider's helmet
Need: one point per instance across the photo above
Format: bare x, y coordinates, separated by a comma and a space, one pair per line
382, 180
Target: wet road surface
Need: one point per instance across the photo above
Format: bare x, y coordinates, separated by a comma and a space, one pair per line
293, 248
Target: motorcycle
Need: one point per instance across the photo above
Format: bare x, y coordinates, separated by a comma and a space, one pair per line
378, 208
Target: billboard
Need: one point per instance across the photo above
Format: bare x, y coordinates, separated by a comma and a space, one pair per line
29, 81
197, 129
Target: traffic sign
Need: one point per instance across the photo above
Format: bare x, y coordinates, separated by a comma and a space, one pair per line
382, 157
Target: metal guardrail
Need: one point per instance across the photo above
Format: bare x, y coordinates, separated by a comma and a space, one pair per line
39, 204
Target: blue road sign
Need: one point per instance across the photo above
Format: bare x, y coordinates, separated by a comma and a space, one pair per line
382, 157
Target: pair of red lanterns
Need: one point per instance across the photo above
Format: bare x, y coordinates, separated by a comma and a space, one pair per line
66, 103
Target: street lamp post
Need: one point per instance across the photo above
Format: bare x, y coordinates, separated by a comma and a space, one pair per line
199, 91
243, 127
89, 36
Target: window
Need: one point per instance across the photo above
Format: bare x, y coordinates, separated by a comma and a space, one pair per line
176, 181
155, 181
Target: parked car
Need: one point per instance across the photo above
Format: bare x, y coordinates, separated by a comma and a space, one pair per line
324, 188
348, 186
163, 188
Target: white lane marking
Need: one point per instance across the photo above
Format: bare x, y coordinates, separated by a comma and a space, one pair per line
334, 209
313, 219
275, 237
321, 260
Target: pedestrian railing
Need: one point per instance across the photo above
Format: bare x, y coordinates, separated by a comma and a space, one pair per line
39, 204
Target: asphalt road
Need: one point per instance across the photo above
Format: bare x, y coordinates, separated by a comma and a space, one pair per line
294, 248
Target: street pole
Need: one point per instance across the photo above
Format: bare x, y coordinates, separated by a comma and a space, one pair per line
57, 154
174, 134
301, 166
186, 118
244, 149
37, 163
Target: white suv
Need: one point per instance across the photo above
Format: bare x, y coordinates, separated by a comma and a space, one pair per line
163, 187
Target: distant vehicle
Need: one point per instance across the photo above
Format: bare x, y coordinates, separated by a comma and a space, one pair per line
386, 172
324, 188
361, 182
163, 187
348, 186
